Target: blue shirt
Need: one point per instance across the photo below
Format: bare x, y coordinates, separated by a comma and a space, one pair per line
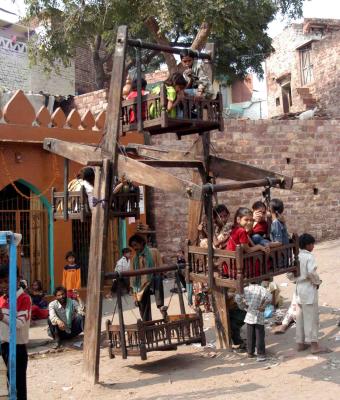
278, 232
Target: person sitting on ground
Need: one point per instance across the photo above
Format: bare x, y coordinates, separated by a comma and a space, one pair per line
71, 275
175, 86
23, 316
198, 83
254, 300
145, 285
39, 304
260, 226
274, 289
66, 316
288, 319
307, 285
123, 265
132, 95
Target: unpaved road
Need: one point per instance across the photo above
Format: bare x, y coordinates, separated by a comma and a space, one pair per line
194, 373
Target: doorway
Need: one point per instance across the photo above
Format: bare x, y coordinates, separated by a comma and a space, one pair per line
23, 212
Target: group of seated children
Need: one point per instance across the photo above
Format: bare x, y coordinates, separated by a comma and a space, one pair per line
250, 228
189, 79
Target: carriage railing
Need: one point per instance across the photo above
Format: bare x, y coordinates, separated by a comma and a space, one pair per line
156, 335
124, 204
189, 110
77, 204
235, 269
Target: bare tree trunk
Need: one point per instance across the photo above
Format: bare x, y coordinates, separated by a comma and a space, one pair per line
153, 27
201, 37
98, 62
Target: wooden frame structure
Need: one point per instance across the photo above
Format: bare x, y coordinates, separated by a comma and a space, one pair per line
109, 162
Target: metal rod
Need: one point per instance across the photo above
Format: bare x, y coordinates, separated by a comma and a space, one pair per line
12, 318
66, 177
139, 89
224, 187
180, 293
144, 271
121, 319
166, 49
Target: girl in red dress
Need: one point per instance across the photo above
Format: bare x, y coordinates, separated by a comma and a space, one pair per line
239, 236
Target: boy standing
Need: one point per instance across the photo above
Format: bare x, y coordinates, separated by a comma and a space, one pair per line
307, 285
254, 300
71, 275
22, 327
123, 265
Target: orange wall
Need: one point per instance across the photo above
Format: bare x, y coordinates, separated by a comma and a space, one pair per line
37, 168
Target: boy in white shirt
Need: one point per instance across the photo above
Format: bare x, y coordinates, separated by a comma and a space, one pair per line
307, 285
123, 265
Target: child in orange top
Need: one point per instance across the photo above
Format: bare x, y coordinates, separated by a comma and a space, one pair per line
71, 275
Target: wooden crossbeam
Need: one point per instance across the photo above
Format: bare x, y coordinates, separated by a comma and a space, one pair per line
227, 169
173, 163
147, 175
219, 167
160, 153
133, 169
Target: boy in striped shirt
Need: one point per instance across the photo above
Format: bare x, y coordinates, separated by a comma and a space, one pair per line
22, 323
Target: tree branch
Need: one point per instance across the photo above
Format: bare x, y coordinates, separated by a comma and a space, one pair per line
202, 36
153, 27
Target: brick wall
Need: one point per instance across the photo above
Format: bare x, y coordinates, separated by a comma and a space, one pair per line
307, 150
94, 101
324, 88
84, 71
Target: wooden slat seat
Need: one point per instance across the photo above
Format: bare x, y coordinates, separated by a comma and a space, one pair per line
235, 269
193, 115
156, 335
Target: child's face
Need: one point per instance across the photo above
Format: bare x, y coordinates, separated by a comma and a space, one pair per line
187, 62
179, 88
249, 225
310, 247
128, 255
245, 220
259, 214
35, 286
71, 260
224, 216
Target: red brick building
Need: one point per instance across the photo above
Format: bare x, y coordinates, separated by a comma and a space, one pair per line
303, 72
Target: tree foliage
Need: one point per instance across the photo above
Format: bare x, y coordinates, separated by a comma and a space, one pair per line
238, 27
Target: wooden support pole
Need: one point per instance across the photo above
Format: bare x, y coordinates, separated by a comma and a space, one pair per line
66, 179
98, 245
222, 322
100, 213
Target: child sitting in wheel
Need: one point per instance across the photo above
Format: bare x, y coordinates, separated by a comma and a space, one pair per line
260, 225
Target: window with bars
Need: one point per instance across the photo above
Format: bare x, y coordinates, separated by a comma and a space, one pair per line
306, 62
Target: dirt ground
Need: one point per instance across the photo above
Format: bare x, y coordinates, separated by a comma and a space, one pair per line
194, 373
